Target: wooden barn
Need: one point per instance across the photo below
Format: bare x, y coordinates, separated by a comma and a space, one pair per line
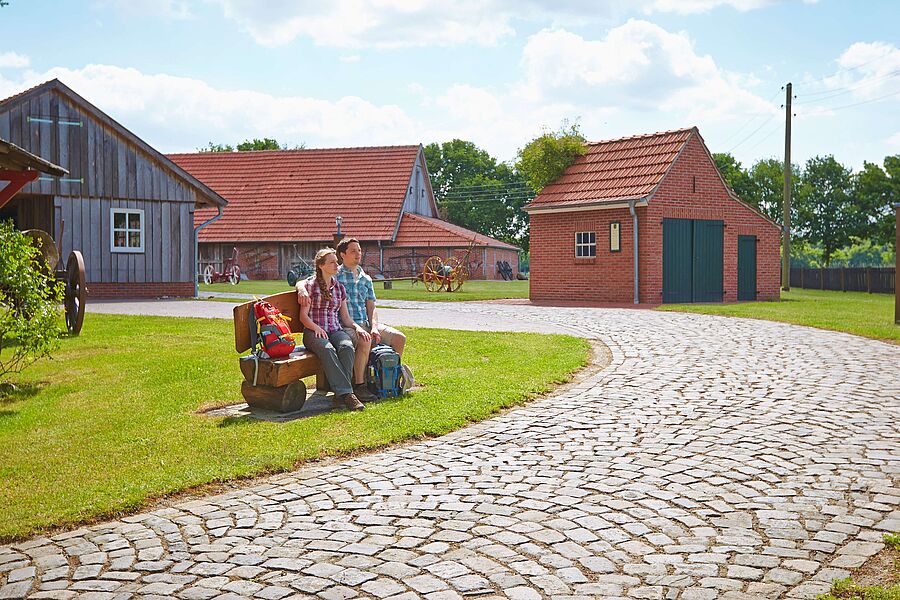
649, 219
283, 204
125, 206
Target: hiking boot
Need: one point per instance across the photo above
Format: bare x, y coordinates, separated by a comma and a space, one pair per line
363, 393
352, 402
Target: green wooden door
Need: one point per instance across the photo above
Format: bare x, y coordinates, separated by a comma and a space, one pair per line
746, 267
708, 259
678, 237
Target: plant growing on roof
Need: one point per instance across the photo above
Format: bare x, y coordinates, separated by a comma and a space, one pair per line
30, 298
546, 157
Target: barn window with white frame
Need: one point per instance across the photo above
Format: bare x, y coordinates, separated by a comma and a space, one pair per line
127, 231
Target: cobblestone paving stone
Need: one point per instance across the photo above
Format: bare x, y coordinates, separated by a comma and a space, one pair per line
714, 458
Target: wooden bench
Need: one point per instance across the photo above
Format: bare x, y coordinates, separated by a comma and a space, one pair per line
278, 381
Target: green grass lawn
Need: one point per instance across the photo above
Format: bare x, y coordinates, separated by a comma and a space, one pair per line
110, 421
402, 290
868, 315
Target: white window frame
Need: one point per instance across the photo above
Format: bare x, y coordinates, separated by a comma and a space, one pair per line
585, 244
112, 230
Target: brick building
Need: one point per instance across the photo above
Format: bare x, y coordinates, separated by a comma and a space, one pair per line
649, 219
282, 205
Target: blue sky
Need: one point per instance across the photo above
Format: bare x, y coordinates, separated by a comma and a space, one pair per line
354, 73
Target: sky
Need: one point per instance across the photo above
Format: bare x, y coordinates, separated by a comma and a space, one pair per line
181, 74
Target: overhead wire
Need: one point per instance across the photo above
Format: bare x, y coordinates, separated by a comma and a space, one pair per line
825, 95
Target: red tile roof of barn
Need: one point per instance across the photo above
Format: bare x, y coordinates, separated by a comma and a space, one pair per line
619, 169
417, 230
294, 195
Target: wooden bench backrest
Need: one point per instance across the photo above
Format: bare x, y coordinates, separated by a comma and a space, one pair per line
286, 302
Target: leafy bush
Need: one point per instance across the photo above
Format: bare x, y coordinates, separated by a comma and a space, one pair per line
30, 298
545, 158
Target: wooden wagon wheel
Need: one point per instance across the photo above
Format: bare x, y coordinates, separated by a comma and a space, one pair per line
208, 274
433, 274
76, 292
455, 270
234, 276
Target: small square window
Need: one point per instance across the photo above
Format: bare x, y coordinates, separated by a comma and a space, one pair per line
585, 244
127, 231
615, 237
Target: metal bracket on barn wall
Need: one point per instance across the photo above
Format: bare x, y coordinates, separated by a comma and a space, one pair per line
17, 180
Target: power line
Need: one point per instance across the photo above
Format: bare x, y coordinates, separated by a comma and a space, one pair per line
823, 109
752, 133
848, 69
748, 121
847, 89
488, 186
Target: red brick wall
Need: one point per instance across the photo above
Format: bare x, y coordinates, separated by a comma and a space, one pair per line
691, 190
141, 290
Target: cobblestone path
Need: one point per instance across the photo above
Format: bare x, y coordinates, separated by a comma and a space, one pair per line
714, 458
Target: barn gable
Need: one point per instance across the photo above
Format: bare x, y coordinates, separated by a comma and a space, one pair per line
103, 158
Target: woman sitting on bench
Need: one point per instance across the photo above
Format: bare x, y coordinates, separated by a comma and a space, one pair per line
323, 334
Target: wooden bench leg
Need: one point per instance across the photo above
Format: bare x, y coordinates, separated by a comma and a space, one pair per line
322, 382
287, 398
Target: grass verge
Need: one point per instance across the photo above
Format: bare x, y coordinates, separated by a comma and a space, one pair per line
402, 290
868, 315
878, 579
109, 423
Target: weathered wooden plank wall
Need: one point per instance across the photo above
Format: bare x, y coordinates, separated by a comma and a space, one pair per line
166, 224
107, 164
106, 170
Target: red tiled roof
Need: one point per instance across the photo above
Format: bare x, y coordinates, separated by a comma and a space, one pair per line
622, 169
417, 230
294, 195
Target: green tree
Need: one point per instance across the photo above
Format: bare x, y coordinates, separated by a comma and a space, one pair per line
217, 148
546, 157
251, 146
735, 176
30, 326
829, 214
474, 190
877, 189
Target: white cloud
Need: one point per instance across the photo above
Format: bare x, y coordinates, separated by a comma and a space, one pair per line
170, 9
349, 58
11, 60
894, 140
867, 72
686, 7
401, 23
181, 114
378, 23
638, 65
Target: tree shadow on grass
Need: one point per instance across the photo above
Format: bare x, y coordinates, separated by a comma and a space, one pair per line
237, 421
10, 392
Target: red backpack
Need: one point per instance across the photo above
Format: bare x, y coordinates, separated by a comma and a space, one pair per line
271, 331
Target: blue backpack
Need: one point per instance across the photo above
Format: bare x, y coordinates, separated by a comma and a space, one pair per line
383, 374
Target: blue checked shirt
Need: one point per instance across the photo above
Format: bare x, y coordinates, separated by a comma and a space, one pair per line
359, 289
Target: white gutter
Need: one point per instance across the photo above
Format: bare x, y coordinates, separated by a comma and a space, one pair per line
634, 226
550, 208
197, 251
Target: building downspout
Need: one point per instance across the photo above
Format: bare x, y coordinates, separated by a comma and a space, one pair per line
634, 226
197, 251
380, 257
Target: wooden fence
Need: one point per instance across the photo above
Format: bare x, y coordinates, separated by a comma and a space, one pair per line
881, 280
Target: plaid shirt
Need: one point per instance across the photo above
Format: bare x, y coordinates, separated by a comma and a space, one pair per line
359, 289
326, 314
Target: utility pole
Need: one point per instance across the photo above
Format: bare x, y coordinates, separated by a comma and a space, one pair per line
786, 229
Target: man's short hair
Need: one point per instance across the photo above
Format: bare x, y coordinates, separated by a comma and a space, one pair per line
343, 245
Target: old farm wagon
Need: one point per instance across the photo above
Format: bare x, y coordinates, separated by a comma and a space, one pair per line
18, 168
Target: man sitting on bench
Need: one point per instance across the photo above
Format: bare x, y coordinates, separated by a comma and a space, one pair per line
361, 305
